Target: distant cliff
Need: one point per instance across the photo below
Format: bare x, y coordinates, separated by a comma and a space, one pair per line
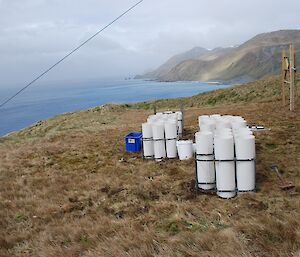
255, 59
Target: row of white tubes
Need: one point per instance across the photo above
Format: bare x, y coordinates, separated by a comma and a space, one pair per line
225, 150
230, 146
160, 134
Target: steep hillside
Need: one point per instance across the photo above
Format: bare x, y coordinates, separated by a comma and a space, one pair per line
68, 188
192, 54
255, 59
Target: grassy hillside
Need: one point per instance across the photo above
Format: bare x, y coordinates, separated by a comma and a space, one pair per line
259, 91
69, 189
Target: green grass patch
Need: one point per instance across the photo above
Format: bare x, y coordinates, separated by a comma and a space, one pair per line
20, 217
271, 146
290, 125
84, 239
202, 224
173, 228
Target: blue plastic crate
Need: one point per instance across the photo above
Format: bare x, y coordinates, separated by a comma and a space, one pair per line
133, 141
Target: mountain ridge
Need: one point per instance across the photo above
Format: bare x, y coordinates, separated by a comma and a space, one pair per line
257, 58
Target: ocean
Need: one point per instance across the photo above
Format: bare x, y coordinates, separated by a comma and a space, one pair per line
42, 101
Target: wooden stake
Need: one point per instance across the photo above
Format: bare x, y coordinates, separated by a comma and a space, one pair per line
154, 109
292, 78
182, 110
283, 72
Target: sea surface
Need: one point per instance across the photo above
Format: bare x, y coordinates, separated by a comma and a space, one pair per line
42, 101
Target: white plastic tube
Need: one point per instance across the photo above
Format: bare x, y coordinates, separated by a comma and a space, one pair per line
245, 170
225, 179
170, 129
215, 116
238, 124
171, 138
224, 148
159, 141
148, 147
245, 176
242, 132
203, 119
206, 172
205, 164
204, 142
208, 125
223, 124
152, 118
225, 168
180, 123
223, 132
245, 147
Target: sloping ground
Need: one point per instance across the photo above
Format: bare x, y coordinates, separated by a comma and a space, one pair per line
194, 53
65, 192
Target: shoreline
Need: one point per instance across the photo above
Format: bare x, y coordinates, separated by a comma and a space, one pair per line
190, 91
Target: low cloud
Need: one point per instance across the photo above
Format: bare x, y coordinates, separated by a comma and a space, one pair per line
35, 33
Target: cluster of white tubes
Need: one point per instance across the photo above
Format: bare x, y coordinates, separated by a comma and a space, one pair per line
160, 135
225, 155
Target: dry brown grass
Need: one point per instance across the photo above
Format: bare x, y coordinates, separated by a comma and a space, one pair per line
64, 191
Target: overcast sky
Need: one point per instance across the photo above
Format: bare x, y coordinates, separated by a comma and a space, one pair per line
36, 33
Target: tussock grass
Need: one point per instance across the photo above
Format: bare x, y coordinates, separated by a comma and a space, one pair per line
65, 192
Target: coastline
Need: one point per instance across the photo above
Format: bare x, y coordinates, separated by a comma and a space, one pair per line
42, 105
